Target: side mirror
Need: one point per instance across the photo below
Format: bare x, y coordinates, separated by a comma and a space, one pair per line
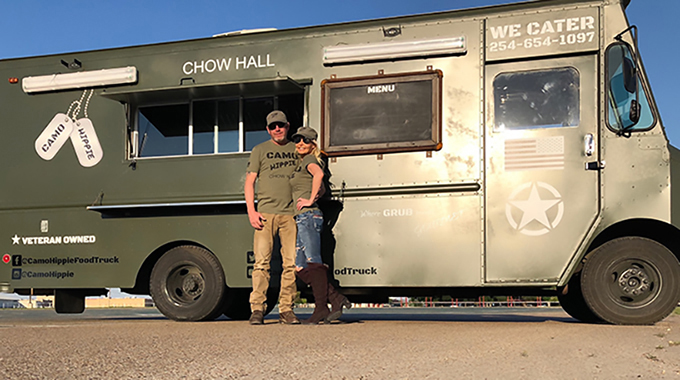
634, 111
629, 76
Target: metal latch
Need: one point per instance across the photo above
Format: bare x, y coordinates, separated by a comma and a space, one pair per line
595, 165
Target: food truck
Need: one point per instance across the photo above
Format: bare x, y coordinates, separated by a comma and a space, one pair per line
503, 150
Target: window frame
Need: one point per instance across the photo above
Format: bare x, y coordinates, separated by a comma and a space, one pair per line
134, 139
435, 143
642, 82
544, 69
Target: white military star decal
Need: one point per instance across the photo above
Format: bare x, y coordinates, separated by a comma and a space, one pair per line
535, 208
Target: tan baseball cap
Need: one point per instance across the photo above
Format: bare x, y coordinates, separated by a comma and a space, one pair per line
276, 117
306, 132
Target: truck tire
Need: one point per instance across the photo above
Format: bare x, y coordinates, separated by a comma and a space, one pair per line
573, 303
238, 303
187, 284
631, 281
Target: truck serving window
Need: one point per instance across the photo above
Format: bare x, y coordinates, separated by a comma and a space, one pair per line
624, 89
380, 114
537, 99
210, 126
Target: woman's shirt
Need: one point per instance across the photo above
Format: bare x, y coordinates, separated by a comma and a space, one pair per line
301, 183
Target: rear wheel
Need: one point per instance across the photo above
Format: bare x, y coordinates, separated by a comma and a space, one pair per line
187, 284
631, 280
573, 303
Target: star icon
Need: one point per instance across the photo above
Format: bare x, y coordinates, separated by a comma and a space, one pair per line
15, 239
535, 209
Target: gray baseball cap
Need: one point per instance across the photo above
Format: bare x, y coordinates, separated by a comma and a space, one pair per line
306, 132
276, 117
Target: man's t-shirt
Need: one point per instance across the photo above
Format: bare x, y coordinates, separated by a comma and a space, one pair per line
301, 181
273, 164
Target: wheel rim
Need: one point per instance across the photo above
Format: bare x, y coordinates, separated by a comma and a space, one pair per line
185, 285
633, 283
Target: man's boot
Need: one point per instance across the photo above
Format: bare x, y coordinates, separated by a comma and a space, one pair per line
338, 300
316, 273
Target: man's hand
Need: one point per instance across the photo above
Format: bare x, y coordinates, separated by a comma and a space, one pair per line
256, 220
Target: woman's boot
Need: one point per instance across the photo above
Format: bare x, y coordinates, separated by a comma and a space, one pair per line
316, 273
338, 300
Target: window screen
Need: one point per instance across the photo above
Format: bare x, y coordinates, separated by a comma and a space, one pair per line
537, 99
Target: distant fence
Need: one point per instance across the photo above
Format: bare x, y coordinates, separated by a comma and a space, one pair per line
510, 302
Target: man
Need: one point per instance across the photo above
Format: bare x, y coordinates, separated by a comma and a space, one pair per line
271, 164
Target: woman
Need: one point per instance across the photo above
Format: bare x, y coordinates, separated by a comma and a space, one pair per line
306, 183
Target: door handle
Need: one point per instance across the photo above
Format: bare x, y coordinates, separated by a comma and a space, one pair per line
589, 144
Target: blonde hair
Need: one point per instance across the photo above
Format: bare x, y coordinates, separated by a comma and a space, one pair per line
315, 151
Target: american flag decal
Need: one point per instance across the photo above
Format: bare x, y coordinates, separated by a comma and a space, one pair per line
543, 153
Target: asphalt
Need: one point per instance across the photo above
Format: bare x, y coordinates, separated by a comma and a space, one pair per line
394, 343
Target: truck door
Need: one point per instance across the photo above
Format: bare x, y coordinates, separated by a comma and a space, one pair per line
542, 177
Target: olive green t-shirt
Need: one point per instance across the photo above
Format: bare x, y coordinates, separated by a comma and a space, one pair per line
273, 164
301, 182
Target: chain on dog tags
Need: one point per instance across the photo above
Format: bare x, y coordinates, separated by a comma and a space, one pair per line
86, 143
54, 136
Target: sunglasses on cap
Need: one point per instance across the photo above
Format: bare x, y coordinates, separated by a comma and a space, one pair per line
273, 126
298, 138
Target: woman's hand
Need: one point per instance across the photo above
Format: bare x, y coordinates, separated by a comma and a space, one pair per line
301, 203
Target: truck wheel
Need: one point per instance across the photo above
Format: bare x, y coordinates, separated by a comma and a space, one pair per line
574, 304
187, 284
238, 307
632, 281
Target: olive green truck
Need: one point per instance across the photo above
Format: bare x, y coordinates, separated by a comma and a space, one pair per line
504, 150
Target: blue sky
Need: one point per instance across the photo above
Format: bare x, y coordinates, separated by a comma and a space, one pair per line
32, 27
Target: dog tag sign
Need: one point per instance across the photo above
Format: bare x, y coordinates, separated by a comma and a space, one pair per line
86, 144
54, 136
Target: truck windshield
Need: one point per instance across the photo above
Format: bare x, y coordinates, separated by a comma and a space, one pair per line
622, 92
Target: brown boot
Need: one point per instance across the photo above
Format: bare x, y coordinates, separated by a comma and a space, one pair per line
338, 300
316, 274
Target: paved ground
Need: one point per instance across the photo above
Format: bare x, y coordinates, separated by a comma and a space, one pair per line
498, 343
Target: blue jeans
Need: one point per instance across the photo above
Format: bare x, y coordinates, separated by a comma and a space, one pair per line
308, 244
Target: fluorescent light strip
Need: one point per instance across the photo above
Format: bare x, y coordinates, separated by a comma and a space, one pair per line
82, 79
393, 50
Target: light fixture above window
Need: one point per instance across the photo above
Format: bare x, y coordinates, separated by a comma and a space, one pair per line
82, 79
385, 51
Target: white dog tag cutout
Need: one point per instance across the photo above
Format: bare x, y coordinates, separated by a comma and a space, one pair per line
80, 131
54, 136
86, 144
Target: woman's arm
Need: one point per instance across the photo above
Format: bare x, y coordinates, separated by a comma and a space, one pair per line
317, 182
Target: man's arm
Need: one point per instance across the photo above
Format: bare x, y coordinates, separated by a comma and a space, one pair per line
255, 217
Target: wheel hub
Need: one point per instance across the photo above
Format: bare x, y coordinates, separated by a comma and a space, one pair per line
634, 281
185, 284
193, 285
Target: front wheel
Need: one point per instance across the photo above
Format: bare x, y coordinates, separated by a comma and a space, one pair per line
631, 281
187, 284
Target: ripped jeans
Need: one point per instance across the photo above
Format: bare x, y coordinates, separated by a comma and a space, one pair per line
308, 244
